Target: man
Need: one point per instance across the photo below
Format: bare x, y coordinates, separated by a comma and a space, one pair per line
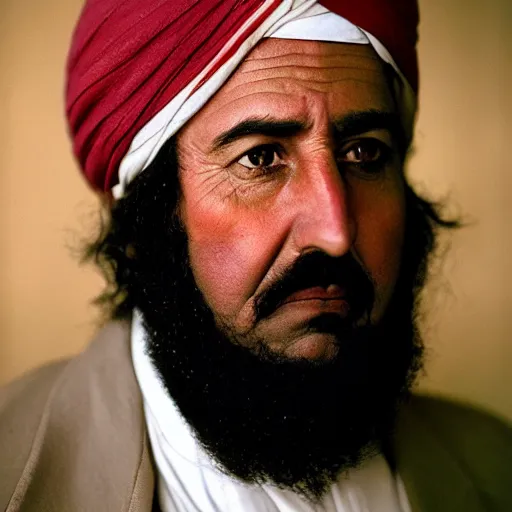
264, 254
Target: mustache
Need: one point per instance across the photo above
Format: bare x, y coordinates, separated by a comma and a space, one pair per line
318, 269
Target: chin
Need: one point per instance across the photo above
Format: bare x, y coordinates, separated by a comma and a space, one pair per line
314, 347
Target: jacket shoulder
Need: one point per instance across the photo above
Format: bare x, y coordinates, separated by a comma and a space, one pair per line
453, 451
472, 432
22, 405
72, 434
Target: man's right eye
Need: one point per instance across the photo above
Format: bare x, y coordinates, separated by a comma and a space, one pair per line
264, 157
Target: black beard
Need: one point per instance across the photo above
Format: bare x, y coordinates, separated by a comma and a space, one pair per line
262, 418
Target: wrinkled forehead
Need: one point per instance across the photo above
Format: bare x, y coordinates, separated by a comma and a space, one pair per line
269, 48
297, 79
312, 62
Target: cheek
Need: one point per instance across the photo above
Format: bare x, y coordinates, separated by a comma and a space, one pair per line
380, 240
229, 254
231, 242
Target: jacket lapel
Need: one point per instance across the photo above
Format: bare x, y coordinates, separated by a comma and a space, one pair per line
91, 449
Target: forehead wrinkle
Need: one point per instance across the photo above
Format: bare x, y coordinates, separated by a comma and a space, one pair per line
254, 96
326, 55
276, 46
324, 62
311, 74
281, 85
311, 71
293, 70
329, 56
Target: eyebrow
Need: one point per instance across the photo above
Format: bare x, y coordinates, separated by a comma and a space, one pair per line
258, 126
350, 125
357, 123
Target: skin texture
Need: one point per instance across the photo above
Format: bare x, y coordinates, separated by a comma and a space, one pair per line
247, 225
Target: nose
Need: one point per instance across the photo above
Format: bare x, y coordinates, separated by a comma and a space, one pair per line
324, 220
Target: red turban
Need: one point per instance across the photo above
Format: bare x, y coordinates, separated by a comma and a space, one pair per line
130, 59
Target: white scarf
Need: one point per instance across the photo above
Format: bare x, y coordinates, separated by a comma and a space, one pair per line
189, 482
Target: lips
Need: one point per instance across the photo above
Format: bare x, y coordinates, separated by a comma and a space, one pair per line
332, 292
317, 284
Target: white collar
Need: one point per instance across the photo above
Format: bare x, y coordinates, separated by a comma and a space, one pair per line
188, 480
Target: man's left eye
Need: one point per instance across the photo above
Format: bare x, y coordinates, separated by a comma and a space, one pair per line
260, 157
365, 152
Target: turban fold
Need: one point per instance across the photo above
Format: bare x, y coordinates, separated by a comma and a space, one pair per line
138, 70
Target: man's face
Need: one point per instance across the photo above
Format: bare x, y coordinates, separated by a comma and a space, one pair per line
276, 308
297, 154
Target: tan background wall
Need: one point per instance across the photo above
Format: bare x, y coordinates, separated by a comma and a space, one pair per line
464, 142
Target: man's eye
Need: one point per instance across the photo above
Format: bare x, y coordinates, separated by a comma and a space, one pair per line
260, 157
367, 154
363, 152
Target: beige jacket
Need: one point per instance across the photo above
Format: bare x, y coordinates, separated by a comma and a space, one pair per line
73, 438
